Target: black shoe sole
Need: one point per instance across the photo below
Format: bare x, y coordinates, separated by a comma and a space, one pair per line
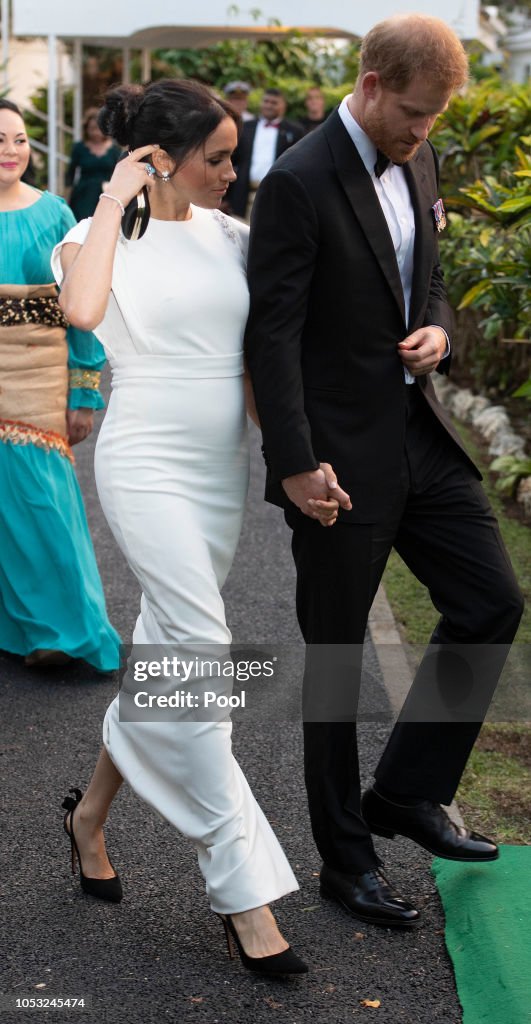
381, 922
388, 834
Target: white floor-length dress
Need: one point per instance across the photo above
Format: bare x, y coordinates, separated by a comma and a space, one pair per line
172, 476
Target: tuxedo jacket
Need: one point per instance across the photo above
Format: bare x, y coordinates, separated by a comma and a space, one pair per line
327, 312
287, 132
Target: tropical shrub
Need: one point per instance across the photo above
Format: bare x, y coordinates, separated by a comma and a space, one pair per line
486, 254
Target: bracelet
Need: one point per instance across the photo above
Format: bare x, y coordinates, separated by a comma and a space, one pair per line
106, 195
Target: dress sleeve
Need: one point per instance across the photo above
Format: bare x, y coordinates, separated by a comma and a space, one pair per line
77, 234
86, 356
236, 230
242, 231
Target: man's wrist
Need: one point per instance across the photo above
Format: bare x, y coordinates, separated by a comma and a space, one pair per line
446, 350
298, 476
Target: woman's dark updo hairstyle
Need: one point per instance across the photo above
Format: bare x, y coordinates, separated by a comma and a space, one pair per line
176, 113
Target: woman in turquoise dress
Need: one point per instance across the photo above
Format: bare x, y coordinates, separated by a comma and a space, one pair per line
52, 606
92, 162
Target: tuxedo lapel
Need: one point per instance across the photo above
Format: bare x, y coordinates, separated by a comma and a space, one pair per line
420, 189
249, 132
360, 192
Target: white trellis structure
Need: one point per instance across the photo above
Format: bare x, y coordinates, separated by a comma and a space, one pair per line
136, 25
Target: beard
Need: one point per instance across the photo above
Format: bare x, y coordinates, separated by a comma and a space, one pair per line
398, 149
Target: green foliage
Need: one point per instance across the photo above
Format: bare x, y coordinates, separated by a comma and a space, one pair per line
479, 131
262, 63
511, 470
292, 63
486, 254
524, 391
36, 128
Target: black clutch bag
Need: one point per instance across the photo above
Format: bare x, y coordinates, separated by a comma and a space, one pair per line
136, 217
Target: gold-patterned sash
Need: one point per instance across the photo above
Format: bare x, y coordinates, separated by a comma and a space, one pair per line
33, 366
41, 310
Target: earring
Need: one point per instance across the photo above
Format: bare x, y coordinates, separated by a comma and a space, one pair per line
165, 176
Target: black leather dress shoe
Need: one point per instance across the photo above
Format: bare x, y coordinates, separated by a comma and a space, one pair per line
427, 824
368, 897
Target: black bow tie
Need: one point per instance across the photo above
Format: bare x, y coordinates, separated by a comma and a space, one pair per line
382, 163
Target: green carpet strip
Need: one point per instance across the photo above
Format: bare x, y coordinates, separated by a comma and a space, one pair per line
488, 934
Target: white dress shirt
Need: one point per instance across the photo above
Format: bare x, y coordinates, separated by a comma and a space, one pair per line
393, 195
264, 149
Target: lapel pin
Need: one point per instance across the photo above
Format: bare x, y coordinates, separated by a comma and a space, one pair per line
439, 215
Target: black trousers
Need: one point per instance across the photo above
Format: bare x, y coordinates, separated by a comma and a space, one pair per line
442, 526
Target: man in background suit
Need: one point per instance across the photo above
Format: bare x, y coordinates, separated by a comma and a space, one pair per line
348, 318
260, 143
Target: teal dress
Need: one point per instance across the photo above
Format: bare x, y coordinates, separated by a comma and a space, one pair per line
51, 595
86, 173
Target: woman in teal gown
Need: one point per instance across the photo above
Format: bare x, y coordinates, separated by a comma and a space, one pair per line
51, 598
92, 162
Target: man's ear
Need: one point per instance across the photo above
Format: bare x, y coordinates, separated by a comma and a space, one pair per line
371, 85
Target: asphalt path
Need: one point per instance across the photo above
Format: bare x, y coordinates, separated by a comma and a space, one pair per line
160, 955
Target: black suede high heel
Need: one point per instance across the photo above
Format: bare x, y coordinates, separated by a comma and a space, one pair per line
286, 962
103, 888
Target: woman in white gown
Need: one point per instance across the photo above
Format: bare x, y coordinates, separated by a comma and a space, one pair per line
172, 472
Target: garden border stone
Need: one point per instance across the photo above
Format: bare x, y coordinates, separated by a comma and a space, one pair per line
492, 422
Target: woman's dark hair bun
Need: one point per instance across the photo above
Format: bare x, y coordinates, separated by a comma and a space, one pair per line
176, 114
119, 110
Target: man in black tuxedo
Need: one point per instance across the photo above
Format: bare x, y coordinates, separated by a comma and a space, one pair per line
260, 143
348, 318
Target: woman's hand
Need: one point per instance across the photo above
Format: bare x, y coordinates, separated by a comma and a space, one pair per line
88, 268
130, 176
317, 494
79, 423
325, 511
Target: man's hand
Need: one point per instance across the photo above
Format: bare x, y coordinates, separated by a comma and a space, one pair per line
325, 511
317, 494
423, 350
79, 423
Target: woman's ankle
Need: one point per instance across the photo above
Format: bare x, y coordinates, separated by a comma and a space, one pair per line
254, 915
90, 815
